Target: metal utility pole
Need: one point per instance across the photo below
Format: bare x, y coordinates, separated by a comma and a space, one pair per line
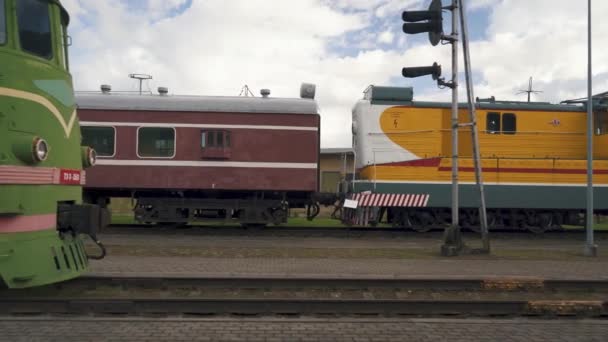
455, 216
483, 220
590, 247
452, 240
141, 78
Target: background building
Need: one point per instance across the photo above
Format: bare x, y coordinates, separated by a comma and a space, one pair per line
336, 164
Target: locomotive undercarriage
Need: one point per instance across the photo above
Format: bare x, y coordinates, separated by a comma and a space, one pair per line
533, 220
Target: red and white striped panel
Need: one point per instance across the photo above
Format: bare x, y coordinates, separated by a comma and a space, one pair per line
31, 175
391, 200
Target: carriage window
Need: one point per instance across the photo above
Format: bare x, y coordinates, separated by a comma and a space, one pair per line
2, 23
101, 139
493, 123
211, 139
35, 27
509, 123
219, 139
156, 142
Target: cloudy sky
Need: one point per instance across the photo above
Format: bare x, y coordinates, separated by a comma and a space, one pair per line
214, 47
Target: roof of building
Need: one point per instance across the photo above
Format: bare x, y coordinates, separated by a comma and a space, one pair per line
180, 103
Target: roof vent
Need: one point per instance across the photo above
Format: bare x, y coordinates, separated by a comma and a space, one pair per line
106, 88
163, 91
307, 91
265, 92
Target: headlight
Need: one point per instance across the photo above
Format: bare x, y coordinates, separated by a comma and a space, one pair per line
31, 149
89, 157
41, 149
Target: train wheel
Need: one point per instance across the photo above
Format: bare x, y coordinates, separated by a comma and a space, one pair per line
538, 223
471, 220
422, 222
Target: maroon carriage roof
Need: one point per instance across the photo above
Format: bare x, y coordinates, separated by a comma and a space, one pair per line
218, 104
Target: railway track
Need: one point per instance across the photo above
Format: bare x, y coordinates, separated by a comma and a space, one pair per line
329, 231
175, 296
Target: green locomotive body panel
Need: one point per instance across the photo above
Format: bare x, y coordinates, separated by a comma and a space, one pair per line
41, 160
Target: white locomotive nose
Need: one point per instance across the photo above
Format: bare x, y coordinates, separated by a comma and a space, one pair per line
41, 149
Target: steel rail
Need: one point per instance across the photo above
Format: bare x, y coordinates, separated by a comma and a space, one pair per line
383, 307
314, 230
149, 302
487, 284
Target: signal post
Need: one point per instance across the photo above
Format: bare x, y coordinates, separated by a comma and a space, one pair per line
431, 21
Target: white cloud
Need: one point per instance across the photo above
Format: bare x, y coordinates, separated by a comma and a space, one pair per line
216, 46
544, 39
386, 37
476, 4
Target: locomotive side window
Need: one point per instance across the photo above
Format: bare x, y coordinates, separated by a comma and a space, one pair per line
493, 123
509, 123
156, 142
601, 123
2, 23
101, 139
35, 27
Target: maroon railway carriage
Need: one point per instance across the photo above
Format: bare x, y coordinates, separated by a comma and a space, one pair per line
195, 158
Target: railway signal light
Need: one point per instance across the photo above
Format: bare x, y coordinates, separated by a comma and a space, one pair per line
434, 71
430, 21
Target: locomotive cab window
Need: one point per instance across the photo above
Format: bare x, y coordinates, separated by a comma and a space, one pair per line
101, 139
493, 123
2, 23
509, 123
156, 142
34, 26
65, 39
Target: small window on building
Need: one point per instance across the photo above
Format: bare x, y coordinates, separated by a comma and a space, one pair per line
2, 23
34, 25
101, 139
509, 123
493, 123
156, 142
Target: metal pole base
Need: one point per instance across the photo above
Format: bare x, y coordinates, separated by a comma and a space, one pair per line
590, 250
453, 245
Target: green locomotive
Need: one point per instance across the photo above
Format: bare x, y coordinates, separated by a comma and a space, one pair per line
42, 217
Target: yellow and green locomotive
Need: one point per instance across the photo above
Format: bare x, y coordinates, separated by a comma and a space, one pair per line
42, 217
533, 159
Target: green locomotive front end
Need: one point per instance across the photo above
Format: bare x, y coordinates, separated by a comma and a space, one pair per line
42, 217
